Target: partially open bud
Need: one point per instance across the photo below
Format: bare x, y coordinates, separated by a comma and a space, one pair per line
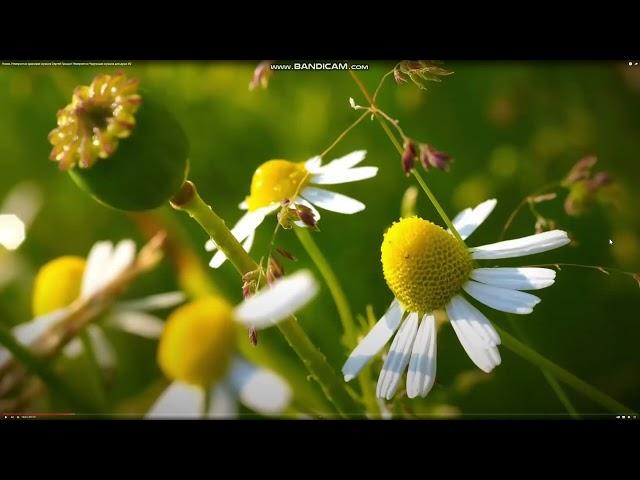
408, 158
306, 216
580, 171
430, 157
57, 284
198, 341
127, 152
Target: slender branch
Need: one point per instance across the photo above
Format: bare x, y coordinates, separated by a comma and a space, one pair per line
189, 201
344, 134
399, 148
560, 373
522, 203
553, 383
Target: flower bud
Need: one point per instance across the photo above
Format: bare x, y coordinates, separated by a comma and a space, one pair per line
580, 171
306, 216
124, 150
408, 158
430, 157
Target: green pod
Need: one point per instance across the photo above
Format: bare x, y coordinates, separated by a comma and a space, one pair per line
147, 168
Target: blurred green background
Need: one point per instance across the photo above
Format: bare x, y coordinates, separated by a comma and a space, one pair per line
511, 128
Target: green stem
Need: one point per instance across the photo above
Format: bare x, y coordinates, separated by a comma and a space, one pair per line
560, 373
330, 278
42, 370
561, 394
400, 150
188, 200
553, 383
437, 205
94, 366
342, 305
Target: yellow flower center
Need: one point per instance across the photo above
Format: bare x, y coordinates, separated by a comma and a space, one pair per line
57, 284
197, 342
275, 181
423, 265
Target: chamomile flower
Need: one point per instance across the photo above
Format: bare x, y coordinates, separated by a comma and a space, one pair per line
65, 280
278, 180
428, 269
197, 352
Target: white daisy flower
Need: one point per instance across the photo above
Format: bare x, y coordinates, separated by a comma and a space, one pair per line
66, 280
278, 180
197, 352
428, 269
18, 210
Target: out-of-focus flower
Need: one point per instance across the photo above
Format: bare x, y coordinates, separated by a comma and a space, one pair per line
586, 189
197, 352
98, 116
261, 75
65, 280
279, 183
427, 269
12, 231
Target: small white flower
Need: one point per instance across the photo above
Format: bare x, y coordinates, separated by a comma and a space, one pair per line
428, 269
279, 180
105, 262
12, 231
181, 354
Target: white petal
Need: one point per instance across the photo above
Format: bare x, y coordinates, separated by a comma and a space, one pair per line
243, 205
74, 348
477, 320
245, 227
261, 390
540, 242
105, 355
218, 259
278, 300
397, 358
122, 257
335, 177
503, 299
528, 278
28, 332
97, 262
313, 164
159, 301
314, 210
422, 365
377, 338
12, 231
343, 163
210, 246
137, 323
179, 400
223, 404
469, 219
472, 335
332, 201
250, 221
